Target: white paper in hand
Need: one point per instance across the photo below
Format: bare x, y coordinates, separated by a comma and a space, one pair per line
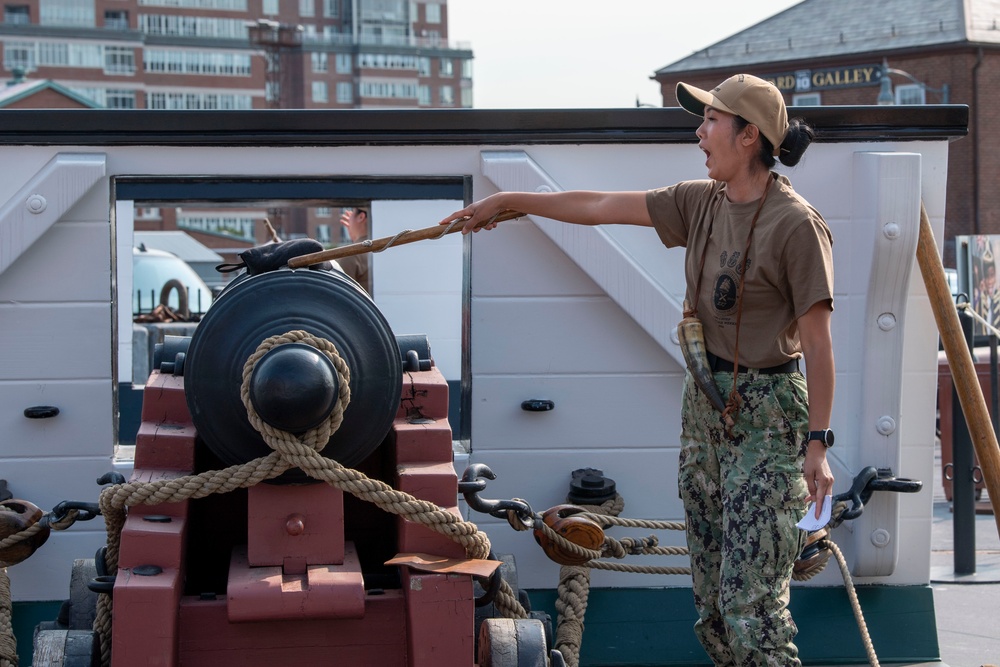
810, 522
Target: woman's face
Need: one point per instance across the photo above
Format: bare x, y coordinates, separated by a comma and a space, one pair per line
717, 138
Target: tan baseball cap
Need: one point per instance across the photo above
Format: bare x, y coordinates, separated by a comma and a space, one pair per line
745, 95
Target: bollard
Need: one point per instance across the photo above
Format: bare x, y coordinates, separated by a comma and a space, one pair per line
963, 491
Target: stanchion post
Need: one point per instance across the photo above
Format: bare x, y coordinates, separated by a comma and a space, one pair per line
963, 491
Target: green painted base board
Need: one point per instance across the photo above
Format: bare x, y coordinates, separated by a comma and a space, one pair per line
642, 627
26, 616
652, 627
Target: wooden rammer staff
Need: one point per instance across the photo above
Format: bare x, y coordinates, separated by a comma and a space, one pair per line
406, 236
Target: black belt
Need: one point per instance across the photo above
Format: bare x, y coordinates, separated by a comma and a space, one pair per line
720, 365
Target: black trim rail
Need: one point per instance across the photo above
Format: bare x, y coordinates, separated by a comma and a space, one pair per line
351, 127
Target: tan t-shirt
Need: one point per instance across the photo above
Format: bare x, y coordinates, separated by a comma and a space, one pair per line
356, 266
790, 265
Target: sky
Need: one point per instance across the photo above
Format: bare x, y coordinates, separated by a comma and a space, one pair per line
548, 54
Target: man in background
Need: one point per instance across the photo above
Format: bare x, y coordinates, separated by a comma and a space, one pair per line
355, 220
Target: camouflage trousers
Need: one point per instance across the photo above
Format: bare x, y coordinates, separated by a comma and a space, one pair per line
742, 497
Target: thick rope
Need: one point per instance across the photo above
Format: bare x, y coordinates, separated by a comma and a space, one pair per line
855, 605
289, 451
8, 643
574, 591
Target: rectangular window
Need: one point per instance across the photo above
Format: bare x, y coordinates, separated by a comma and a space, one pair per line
119, 60
331, 8
806, 100
185, 61
16, 15
424, 96
193, 26
345, 64
466, 98
319, 91
116, 19
911, 93
307, 8
230, 5
345, 92
447, 68
318, 61
119, 99
57, 54
424, 68
447, 96
467, 68
323, 234
323, 211
77, 13
389, 89
269, 7
432, 12
179, 100
19, 55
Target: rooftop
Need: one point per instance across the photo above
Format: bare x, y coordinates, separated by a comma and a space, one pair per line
831, 28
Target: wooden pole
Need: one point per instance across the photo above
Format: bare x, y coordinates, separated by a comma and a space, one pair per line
378, 245
963, 371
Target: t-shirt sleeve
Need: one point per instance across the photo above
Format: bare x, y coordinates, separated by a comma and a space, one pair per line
809, 257
664, 206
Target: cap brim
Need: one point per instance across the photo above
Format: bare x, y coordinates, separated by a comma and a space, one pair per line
694, 100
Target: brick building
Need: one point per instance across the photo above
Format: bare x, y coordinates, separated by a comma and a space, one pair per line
822, 52
233, 55
236, 54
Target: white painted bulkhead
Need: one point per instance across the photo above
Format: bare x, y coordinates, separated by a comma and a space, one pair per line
583, 317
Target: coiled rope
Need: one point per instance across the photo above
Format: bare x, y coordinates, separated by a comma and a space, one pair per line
8, 642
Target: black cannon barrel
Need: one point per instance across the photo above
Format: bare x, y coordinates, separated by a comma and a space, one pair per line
326, 304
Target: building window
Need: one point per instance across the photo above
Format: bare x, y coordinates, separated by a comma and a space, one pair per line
446, 68
119, 60
331, 8
467, 68
424, 66
323, 211
269, 7
77, 13
467, 98
318, 62
447, 96
345, 63
19, 55
911, 93
236, 226
806, 100
193, 26
323, 234
116, 19
432, 11
307, 8
230, 5
193, 100
424, 96
319, 91
119, 99
16, 14
177, 61
389, 89
345, 92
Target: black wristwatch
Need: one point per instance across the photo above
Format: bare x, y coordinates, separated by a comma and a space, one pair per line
825, 436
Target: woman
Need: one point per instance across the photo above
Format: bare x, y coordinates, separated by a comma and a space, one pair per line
760, 279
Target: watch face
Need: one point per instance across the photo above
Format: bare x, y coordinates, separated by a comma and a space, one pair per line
828, 440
